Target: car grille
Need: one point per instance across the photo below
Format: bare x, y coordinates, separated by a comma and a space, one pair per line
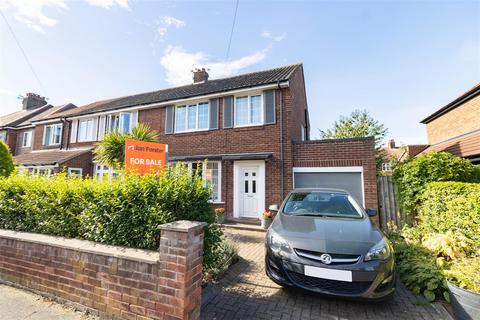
336, 258
332, 286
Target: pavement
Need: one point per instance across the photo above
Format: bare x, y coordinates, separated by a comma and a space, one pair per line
245, 292
16, 304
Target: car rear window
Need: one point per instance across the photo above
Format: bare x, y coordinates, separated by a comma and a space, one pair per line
322, 204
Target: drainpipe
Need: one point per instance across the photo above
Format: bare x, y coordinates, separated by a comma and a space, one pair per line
282, 167
65, 122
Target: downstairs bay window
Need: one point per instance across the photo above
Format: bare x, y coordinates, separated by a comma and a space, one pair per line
211, 173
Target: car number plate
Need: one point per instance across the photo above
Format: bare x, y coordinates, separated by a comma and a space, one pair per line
330, 274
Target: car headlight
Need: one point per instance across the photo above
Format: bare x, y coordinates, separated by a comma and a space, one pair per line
379, 251
277, 244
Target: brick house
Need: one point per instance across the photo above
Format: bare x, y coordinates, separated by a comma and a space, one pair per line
455, 127
253, 129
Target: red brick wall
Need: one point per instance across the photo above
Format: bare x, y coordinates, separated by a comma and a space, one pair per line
462, 119
83, 161
111, 281
19, 141
11, 139
342, 153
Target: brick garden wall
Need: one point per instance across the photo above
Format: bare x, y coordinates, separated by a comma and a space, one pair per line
113, 282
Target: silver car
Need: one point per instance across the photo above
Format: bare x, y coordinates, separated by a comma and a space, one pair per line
322, 240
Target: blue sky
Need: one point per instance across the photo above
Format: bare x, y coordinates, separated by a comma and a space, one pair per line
399, 60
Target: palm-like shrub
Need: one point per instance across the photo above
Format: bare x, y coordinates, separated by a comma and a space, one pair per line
111, 150
6, 161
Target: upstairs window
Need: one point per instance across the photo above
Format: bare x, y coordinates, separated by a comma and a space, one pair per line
122, 122
27, 139
192, 117
386, 167
248, 111
52, 135
86, 130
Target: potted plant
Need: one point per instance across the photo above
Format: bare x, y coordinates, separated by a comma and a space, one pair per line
220, 214
267, 219
464, 284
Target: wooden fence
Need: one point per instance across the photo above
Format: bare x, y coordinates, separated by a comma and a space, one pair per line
389, 206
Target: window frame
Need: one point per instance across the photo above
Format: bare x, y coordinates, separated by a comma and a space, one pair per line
88, 137
27, 143
387, 167
189, 165
187, 106
77, 175
249, 105
51, 137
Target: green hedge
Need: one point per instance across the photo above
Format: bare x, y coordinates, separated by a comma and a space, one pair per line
6, 160
413, 176
124, 212
451, 206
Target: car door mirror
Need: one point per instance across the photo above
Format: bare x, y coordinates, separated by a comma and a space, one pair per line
273, 207
371, 212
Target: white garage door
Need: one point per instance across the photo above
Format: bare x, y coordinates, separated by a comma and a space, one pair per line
350, 181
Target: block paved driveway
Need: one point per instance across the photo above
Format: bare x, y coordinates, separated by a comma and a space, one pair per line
245, 292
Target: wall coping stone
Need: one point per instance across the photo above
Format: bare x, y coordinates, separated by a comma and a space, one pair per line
183, 226
147, 256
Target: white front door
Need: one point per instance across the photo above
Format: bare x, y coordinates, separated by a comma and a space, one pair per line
249, 199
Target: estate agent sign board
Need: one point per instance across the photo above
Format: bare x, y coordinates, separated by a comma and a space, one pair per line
144, 157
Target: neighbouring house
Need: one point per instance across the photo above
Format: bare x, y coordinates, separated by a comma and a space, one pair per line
394, 154
253, 129
455, 127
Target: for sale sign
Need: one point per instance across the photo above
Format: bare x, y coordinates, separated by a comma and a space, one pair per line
144, 157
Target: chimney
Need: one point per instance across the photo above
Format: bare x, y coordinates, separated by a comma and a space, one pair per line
200, 75
33, 101
391, 144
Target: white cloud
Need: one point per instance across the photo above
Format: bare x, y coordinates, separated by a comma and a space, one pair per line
277, 38
179, 63
171, 21
31, 12
107, 4
162, 31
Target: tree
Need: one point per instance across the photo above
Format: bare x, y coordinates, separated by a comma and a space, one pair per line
6, 161
111, 150
358, 124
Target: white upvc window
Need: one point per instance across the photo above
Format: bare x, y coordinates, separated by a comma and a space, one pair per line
52, 135
3, 136
122, 122
192, 117
86, 130
46, 171
211, 173
387, 167
248, 110
104, 173
27, 139
75, 172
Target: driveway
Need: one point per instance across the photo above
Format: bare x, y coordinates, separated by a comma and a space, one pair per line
245, 292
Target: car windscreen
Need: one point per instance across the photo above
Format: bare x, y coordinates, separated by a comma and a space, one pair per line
315, 203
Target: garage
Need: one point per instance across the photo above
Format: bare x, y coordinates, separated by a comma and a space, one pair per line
347, 178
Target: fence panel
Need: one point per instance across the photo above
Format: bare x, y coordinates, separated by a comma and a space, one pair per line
390, 210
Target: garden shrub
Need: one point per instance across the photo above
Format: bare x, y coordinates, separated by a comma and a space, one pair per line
413, 175
465, 274
418, 268
451, 206
123, 212
6, 161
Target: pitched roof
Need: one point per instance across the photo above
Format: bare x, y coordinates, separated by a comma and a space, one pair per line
49, 157
15, 118
53, 111
247, 80
473, 92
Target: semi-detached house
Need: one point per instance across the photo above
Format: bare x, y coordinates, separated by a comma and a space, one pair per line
253, 129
